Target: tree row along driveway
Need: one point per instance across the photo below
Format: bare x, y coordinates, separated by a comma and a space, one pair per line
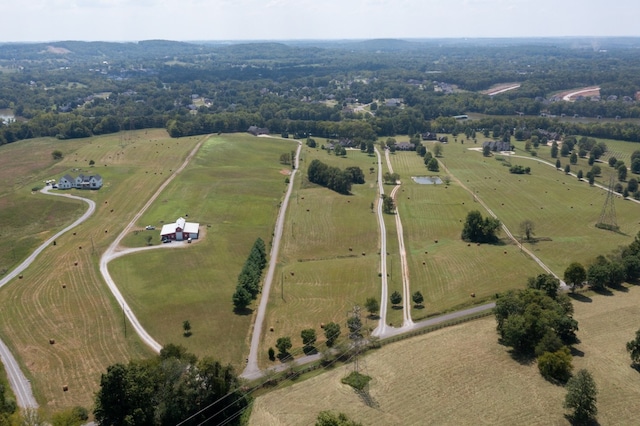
252, 370
404, 268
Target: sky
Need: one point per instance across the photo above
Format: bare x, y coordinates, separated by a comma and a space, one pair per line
191, 20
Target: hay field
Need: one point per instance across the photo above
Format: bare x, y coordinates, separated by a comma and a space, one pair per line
322, 270
69, 303
445, 269
232, 188
462, 376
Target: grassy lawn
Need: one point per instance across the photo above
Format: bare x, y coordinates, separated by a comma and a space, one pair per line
423, 380
329, 258
232, 188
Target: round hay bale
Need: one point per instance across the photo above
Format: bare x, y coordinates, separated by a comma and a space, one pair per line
321, 325
65, 388
350, 249
270, 328
64, 286
20, 276
363, 253
473, 295
75, 263
292, 274
52, 341
80, 248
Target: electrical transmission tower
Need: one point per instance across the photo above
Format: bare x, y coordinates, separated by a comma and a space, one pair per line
608, 215
356, 334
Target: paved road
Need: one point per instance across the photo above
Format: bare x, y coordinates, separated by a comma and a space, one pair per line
18, 381
252, 370
568, 96
404, 267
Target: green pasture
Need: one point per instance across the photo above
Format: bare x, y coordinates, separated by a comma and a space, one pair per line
563, 209
329, 254
445, 269
233, 188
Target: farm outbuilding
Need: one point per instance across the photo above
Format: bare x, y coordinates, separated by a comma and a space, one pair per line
180, 230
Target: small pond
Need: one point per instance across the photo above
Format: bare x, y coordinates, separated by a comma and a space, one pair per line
427, 180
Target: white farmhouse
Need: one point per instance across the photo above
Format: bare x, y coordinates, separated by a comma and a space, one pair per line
81, 182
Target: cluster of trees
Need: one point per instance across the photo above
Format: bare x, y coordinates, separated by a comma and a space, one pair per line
607, 272
249, 278
480, 230
309, 338
519, 170
539, 321
334, 178
388, 205
7, 405
168, 389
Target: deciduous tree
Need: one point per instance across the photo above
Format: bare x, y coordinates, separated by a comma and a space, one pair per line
331, 333
582, 397
575, 275
633, 347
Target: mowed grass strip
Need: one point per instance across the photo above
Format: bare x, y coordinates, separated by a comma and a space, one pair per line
233, 188
62, 297
329, 257
461, 375
443, 267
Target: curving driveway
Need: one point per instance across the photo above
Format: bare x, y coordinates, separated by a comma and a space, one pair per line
18, 381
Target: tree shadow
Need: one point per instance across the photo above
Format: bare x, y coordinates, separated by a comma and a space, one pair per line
603, 291
396, 307
580, 297
284, 357
420, 306
310, 350
635, 367
576, 352
522, 359
574, 422
373, 317
620, 288
243, 311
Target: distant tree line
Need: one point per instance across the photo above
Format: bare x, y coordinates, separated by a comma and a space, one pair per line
334, 178
250, 276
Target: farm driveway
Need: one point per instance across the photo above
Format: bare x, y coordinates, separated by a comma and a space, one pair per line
252, 370
18, 381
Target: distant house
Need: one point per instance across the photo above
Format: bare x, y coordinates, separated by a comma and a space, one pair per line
497, 145
429, 136
405, 146
256, 131
80, 182
180, 230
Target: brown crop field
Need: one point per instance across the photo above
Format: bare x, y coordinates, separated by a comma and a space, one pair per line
462, 376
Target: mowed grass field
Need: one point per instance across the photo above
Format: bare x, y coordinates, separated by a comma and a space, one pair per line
462, 376
233, 188
443, 267
329, 258
62, 297
26, 218
563, 209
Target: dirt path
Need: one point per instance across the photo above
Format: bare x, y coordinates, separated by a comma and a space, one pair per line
502, 89
252, 370
404, 268
382, 327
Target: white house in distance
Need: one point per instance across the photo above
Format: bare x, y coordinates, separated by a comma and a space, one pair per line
181, 230
81, 182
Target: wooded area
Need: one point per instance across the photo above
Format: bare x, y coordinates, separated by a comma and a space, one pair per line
355, 90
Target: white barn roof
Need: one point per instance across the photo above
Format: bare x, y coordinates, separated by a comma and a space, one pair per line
187, 227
